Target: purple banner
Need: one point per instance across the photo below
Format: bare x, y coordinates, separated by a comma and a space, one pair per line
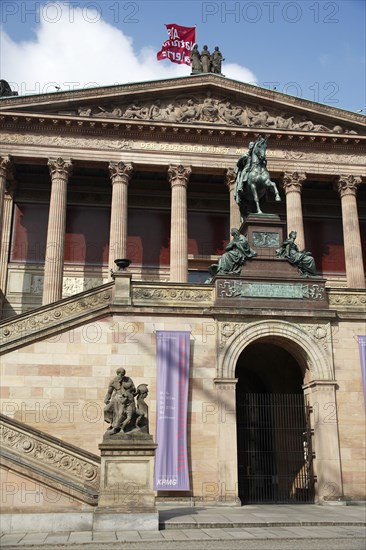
362, 347
171, 463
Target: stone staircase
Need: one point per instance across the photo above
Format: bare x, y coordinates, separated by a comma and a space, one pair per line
49, 461
47, 320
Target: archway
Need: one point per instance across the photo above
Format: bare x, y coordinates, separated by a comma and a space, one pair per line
273, 432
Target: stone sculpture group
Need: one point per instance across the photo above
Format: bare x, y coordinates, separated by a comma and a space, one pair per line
205, 62
121, 411
208, 109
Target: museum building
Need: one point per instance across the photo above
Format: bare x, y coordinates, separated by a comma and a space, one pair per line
146, 172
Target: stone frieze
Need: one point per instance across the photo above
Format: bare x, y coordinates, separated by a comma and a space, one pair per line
169, 296
209, 110
355, 299
309, 156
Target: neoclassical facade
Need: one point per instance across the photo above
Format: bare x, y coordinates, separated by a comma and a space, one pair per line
146, 171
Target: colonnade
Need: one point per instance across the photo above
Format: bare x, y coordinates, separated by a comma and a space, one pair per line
178, 176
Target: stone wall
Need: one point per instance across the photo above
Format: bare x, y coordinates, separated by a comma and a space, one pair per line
350, 408
58, 385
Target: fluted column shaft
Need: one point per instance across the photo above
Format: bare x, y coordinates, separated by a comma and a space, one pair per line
5, 238
178, 177
5, 167
120, 174
292, 184
54, 263
235, 220
347, 188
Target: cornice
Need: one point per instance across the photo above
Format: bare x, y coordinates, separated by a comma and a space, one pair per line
155, 130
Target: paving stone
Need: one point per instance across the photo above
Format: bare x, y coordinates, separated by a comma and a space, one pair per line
195, 534
104, 536
238, 533
81, 536
173, 534
11, 538
128, 535
34, 538
57, 538
217, 533
151, 535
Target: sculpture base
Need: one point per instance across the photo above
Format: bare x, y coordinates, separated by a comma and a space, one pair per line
126, 496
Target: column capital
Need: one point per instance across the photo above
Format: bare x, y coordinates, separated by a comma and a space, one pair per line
347, 185
179, 175
120, 172
6, 165
230, 177
292, 181
60, 168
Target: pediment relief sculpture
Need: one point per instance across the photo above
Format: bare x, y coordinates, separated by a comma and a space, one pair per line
209, 110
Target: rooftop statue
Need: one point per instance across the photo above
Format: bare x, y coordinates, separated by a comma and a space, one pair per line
301, 258
236, 252
205, 62
216, 60
121, 411
196, 64
252, 178
5, 90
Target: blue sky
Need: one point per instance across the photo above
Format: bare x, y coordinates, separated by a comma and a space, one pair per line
311, 49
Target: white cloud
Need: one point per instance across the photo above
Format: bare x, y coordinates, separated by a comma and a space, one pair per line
71, 51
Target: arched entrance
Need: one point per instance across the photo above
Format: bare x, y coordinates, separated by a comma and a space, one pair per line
273, 431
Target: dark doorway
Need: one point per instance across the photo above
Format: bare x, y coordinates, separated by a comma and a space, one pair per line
273, 433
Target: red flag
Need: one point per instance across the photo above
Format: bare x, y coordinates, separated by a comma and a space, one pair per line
179, 45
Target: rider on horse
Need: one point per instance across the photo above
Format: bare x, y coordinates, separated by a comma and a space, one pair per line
252, 177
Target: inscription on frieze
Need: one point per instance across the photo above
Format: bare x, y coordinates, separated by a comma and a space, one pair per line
243, 289
266, 238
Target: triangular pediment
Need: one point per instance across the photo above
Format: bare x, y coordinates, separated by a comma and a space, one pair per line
199, 100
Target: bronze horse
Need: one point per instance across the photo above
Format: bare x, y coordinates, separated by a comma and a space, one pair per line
253, 181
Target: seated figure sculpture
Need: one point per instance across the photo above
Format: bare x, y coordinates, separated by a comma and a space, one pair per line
303, 260
236, 252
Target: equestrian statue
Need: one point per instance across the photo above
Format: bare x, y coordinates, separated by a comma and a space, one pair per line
253, 179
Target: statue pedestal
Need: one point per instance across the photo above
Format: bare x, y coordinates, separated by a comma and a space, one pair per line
126, 497
265, 233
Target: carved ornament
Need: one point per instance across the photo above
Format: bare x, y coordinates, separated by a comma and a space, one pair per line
170, 296
348, 185
62, 141
60, 168
5, 167
230, 178
321, 334
208, 110
179, 175
13, 330
348, 299
120, 172
293, 181
34, 448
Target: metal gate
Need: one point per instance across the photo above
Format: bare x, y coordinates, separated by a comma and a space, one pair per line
274, 449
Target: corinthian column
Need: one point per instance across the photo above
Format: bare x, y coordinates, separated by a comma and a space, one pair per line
347, 188
234, 207
178, 177
292, 184
60, 170
5, 168
120, 174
